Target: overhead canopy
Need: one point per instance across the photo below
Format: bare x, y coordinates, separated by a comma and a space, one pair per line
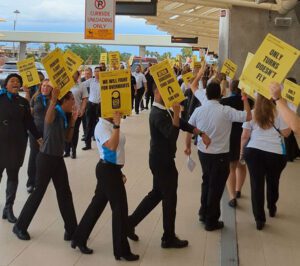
200, 18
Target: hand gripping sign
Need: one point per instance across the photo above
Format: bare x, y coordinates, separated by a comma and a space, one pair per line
271, 62
115, 88
28, 72
57, 71
167, 83
291, 92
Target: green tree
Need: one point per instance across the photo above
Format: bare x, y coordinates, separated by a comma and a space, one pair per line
47, 47
125, 57
166, 55
186, 52
87, 50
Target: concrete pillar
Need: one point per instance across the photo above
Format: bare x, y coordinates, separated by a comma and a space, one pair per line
224, 36
22, 51
142, 50
247, 29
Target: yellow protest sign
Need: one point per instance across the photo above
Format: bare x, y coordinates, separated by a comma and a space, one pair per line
130, 60
28, 72
194, 59
243, 84
73, 61
229, 68
271, 62
197, 64
167, 83
114, 60
291, 92
103, 58
187, 77
57, 71
115, 92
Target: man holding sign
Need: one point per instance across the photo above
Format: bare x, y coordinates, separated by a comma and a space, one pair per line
164, 131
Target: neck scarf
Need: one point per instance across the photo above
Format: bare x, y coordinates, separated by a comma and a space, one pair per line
62, 114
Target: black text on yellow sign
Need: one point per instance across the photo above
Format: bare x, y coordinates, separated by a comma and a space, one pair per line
115, 92
28, 72
271, 62
167, 83
57, 71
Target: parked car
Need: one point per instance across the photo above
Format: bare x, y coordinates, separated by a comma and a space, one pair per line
11, 67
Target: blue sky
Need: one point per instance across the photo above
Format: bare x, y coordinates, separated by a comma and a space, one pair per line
68, 16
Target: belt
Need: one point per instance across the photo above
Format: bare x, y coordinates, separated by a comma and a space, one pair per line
111, 164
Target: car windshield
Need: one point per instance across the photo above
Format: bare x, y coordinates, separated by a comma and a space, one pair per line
9, 66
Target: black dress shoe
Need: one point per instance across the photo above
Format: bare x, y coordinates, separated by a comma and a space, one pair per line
23, 235
83, 248
86, 148
67, 236
132, 235
260, 225
232, 203
216, 226
272, 211
129, 257
238, 194
201, 218
174, 243
30, 189
9, 215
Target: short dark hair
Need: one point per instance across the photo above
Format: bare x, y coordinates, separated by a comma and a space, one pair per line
213, 91
66, 97
13, 75
234, 86
98, 67
292, 79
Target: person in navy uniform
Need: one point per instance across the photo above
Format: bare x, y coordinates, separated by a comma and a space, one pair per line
15, 121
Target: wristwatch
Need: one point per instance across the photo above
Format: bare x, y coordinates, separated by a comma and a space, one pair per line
201, 133
116, 126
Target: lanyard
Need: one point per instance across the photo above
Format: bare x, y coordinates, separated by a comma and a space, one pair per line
62, 114
8, 94
44, 99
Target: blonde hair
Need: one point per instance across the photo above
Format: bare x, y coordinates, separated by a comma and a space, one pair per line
264, 112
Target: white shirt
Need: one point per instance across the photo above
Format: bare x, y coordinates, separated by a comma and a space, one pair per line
79, 92
103, 132
200, 94
140, 79
216, 121
94, 86
266, 139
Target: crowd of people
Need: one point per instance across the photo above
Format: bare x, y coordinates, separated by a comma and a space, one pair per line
231, 132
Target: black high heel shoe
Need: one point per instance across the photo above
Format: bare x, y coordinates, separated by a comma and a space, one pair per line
83, 248
129, 257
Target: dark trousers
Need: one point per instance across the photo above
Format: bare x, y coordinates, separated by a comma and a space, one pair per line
264, 167
73, 144
165, 182
137, 99
215, 169
31, 170
84, 124
149, 97
12, 184
92, 116
50, 167
110, 188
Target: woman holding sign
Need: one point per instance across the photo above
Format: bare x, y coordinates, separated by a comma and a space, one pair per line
15, 120
110, 188
265, 156
39, 104
51, 165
